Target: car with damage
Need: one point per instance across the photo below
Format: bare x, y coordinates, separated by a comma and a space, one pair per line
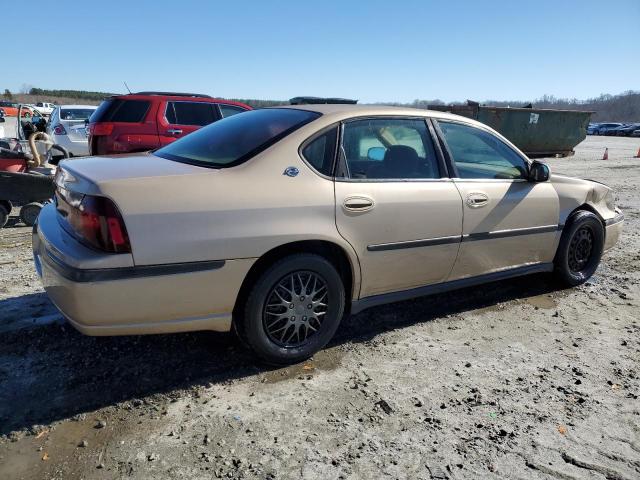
278, 222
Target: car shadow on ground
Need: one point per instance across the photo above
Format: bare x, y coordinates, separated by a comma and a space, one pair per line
52, 372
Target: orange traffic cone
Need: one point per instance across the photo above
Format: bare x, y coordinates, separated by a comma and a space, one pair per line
637, 154
606, 154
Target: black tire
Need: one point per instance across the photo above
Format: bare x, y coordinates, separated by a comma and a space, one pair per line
29, 213
262, 323
580, 248
4, 216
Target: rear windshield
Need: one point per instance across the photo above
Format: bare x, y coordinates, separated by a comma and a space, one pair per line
120, 110
235, 139
76, 113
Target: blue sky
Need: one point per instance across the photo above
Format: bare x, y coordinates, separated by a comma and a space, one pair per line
370, 50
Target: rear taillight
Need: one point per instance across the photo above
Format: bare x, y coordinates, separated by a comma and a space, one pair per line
101, 129
59, 130
94, 220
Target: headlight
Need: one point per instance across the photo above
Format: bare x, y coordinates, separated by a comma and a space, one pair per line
610, 200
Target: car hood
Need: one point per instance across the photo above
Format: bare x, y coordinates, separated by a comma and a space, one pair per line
88, 174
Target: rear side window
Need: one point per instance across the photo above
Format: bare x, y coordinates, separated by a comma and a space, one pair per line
191, 113
228, 110
389, 149
235, 139
120, 110
321, 151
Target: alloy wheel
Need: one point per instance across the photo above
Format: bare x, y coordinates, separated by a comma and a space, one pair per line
295, 309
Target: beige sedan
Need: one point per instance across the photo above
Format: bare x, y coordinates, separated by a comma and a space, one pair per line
278, 222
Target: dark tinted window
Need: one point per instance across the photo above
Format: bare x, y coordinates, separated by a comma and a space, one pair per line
191, 113
228, 110
389, 148
235, 139
119, 110
320, 153
479, 154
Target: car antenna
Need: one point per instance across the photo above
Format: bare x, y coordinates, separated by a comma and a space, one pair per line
125, 84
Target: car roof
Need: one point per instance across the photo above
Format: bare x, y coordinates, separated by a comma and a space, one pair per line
183, 97
345, 111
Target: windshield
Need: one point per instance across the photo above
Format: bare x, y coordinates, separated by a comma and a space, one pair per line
235, 139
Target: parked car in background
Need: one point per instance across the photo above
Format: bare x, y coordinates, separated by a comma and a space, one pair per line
603, 128
626, 130
67, 127
277, 221
636, 133
591, 128
147, 120
11, 109
45, 108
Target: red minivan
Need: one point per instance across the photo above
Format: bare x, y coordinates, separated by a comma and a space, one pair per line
148, 120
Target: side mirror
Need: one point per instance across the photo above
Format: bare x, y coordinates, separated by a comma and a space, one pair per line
538, 172
376, 153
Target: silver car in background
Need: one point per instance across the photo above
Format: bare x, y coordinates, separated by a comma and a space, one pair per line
67, 127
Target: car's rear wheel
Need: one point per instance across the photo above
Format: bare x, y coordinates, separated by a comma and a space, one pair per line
29, 213
293, 310
4, 216
580, 248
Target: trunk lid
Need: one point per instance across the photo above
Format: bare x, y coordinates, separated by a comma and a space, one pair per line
90, 175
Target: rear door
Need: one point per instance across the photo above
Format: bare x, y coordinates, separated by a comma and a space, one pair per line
395, 204
508, 221
179, 118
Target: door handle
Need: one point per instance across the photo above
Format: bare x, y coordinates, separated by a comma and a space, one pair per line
358, 204
174, 131
477, 199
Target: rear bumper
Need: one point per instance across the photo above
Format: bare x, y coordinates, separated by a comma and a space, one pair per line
613, 230
129, 300
78, 148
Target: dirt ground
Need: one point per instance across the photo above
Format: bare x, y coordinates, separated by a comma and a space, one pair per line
516, 379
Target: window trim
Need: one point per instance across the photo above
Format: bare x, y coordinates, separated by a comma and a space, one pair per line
451, 162
314, 137
341, 162
215, 109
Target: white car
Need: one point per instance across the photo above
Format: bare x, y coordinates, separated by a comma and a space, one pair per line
68, 128
45, 108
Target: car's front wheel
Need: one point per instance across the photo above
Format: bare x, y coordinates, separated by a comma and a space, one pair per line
293, 310
580, 248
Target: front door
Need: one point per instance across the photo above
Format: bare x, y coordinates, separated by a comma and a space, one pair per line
508, 221
395, 206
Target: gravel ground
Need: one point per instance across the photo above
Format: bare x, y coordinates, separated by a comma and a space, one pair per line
516, 379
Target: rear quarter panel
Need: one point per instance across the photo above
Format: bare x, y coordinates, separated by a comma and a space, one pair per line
223, 214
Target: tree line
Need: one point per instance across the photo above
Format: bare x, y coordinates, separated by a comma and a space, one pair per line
624, 107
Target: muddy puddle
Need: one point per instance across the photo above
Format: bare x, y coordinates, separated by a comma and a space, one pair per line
324, 360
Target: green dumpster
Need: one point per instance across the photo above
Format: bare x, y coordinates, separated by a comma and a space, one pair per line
538, 132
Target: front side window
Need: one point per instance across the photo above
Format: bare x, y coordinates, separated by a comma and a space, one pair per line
479, 154
321, 151
389, 148
235, 139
